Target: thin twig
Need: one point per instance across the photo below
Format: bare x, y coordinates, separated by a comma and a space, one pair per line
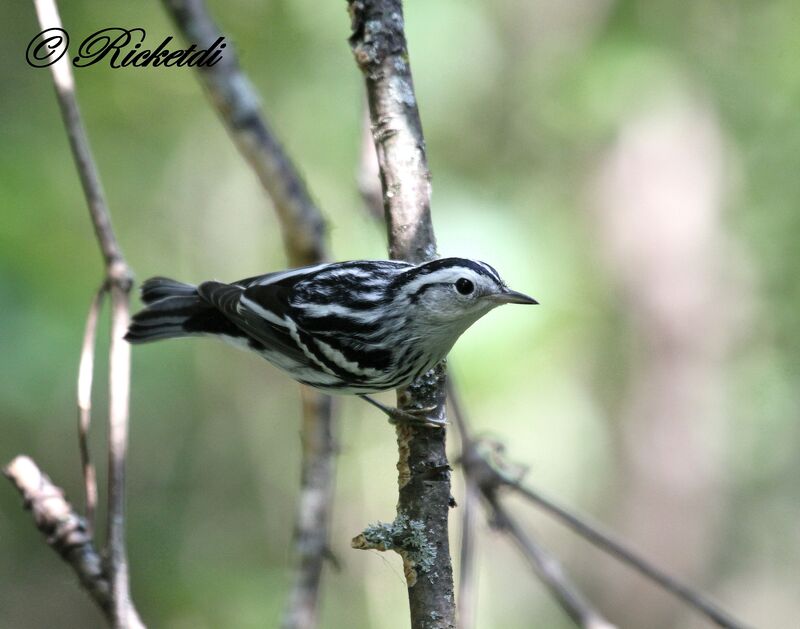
118, 279
604, 541
547, 567
379, 46
85, 379
303, 228
63, 528
486, 463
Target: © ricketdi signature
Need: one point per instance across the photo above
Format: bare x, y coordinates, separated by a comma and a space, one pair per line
120, 48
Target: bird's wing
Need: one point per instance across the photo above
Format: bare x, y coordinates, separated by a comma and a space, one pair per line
286, 278
259, 312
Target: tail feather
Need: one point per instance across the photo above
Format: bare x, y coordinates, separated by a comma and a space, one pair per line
174, 309
161, 287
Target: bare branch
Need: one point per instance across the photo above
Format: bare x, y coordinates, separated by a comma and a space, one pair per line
485, 462
303, 228
314, 510
125, 614
481, 475
118, 280
548, 569
85, 379
238, 104
379, 46
606, 542
63, 528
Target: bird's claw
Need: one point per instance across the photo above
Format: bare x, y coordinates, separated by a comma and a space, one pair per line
409, 416
416, 417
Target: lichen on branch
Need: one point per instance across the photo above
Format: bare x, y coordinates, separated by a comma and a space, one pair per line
407, 537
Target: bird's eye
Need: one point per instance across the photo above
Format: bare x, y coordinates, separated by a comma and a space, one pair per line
464, 286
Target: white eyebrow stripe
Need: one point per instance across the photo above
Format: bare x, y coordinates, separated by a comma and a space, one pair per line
492, 272
440, 276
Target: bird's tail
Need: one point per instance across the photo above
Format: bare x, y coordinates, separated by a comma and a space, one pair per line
172, 310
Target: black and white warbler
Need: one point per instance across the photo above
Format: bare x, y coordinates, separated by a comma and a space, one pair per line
348, 327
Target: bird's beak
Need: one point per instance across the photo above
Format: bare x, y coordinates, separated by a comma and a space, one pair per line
513, 297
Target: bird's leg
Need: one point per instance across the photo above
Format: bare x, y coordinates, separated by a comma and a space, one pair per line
415, 416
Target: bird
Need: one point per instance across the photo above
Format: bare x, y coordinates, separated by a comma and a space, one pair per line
357, 327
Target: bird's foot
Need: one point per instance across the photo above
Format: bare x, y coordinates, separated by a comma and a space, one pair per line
411, 416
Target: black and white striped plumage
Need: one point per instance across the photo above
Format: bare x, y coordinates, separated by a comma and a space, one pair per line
348, 327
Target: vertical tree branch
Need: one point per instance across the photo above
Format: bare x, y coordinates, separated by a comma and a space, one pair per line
303, 230
314, 508
379, 45
118, 282
119, 399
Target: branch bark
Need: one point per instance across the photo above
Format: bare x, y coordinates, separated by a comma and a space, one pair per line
379, 46
303, 229
65, 530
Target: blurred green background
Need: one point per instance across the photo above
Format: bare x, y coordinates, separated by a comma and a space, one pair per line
633, 165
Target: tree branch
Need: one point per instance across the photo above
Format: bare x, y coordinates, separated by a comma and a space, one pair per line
313, 519
303, 229
548, 569
238, 104
119, 606
484, 462
607, 543
481, 476
63, 528
379, 46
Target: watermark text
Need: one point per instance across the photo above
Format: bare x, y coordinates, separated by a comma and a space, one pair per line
119, 48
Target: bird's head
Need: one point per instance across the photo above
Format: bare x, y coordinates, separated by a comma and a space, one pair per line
453, 293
